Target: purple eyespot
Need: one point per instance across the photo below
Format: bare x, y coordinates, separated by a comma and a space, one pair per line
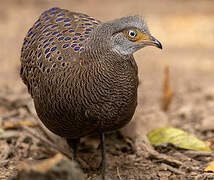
67, 38
67, 25
53, 49
60, 19
65, 45
76, 48
47, 50
67, 20
48, 55
61, 38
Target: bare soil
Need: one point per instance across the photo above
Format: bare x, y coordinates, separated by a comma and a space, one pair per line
186, 30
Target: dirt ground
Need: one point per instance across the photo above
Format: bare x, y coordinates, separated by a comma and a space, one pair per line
186, 30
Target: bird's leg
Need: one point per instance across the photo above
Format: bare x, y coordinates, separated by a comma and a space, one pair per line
103, 163
73, 143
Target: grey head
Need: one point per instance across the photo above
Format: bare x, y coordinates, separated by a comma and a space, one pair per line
123, 36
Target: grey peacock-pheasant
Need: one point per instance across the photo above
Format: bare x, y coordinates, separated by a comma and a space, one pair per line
81, 72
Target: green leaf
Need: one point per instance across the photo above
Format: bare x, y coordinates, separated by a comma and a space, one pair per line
178, 138
1, 131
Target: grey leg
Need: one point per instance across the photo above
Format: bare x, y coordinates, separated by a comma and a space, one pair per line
103, 163
73, 143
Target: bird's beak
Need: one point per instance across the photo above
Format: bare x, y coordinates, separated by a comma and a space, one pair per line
148, 40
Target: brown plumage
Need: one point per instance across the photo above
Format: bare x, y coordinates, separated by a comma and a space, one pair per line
81, 73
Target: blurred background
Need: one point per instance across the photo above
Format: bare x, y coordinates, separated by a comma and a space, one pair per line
185, 28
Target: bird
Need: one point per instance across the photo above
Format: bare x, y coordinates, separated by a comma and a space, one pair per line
81, 72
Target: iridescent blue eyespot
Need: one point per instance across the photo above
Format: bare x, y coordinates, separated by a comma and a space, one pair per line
48, 55
48, 34
61, 38
53, 43
86, 35
85, 20
54, 33
67, 38
60, 19
74, 38
88, 29
54, 26
45, 16
51, 39
95, 23
88, 24
67, 25
54, 65
45, 31
76, 48
47, 50
53, 13
53, 49
87, 32
46, 40
71, 31
81, 39
44, 12
53, 9
46, 45
59, 35
67, 20
48, 25
65, 45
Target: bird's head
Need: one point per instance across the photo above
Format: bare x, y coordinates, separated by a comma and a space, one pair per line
124, 36
130, 34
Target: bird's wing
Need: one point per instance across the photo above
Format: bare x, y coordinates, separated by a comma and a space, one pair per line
55, 38
54, 42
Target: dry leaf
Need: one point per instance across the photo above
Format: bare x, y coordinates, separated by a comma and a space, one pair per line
17, 124
210, 167
167, 91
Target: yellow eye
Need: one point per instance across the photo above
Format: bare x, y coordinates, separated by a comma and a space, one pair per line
132, 34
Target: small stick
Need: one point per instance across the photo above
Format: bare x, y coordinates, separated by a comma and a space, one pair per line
118, 174
48, 143
170, 168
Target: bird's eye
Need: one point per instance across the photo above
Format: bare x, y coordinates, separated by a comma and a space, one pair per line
132, 34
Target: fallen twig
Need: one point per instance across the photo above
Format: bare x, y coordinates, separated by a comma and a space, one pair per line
47, 142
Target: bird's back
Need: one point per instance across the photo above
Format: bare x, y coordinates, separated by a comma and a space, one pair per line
54, 42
